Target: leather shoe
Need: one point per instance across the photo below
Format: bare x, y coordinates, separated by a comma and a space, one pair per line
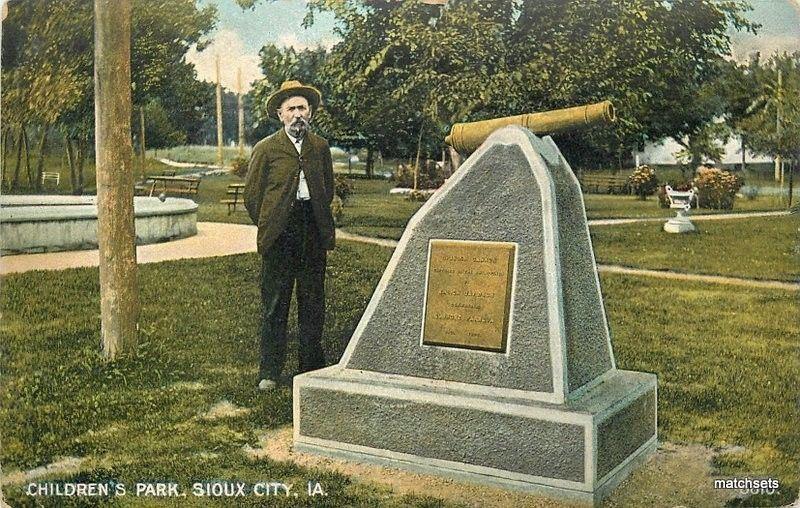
267, 384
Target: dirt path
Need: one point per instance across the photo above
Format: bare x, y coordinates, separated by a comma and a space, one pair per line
212, 239
712, 279
661, 274
708, 216
176, 164
223, 239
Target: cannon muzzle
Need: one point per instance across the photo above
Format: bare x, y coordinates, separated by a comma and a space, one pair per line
466, 137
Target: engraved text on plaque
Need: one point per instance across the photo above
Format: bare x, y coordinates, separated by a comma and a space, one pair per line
468, 298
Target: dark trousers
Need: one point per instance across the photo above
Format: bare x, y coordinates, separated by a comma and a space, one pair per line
296, 255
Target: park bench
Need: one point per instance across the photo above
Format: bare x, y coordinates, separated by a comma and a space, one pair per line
51, 177
604, 184
145, 187
180, 185
236, 191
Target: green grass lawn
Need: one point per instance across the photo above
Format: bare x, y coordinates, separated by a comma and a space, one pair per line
613, 206
207, 154
727, 363
58, 164
371, 211
213, 189
200, 154
761, 248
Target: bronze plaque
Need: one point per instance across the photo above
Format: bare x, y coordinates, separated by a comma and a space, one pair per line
468, 297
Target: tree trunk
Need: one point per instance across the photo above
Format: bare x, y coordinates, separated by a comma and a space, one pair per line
3, 150
116, 237
15, 182
419, 149
40, 162
31, 183
744, 154
455, 159
220, 156
81, 151
6, 138
370, 162
73, 170
240, 108
142, 144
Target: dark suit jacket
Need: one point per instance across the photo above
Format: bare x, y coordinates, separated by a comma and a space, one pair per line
271, 185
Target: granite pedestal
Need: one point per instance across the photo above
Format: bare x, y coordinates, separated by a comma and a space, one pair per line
484, 353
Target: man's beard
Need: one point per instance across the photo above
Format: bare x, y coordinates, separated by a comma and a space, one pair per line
299, 127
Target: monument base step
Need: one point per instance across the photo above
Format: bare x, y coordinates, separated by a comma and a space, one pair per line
577, 451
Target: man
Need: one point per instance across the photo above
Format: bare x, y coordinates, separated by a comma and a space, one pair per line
288, 192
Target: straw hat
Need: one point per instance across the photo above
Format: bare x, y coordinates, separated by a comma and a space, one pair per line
290, 89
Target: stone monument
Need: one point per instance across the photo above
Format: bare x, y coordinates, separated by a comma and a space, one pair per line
484, 353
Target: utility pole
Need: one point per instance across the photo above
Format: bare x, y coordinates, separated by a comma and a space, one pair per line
143, 145
119, 292
779, 107
240, 104
220, 159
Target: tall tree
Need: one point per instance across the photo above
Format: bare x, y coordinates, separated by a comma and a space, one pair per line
119, 292
47, 58
651, 58
738, 86
773, 128
284, 64
404, 70
481, 59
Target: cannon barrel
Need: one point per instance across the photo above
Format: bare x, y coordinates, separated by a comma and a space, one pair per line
466, 137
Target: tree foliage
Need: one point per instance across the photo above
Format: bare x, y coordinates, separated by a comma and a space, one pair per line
284, 64
48, 57
401, 65
773, 123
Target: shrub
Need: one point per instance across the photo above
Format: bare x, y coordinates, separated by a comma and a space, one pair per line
716, 188
239, 166
342, 187
403, 176
337, 208
418, 195
643, 181
431, 176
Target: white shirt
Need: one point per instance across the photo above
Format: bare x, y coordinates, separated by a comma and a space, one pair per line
302, 188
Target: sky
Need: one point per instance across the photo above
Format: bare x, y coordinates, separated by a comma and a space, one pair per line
240, 34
